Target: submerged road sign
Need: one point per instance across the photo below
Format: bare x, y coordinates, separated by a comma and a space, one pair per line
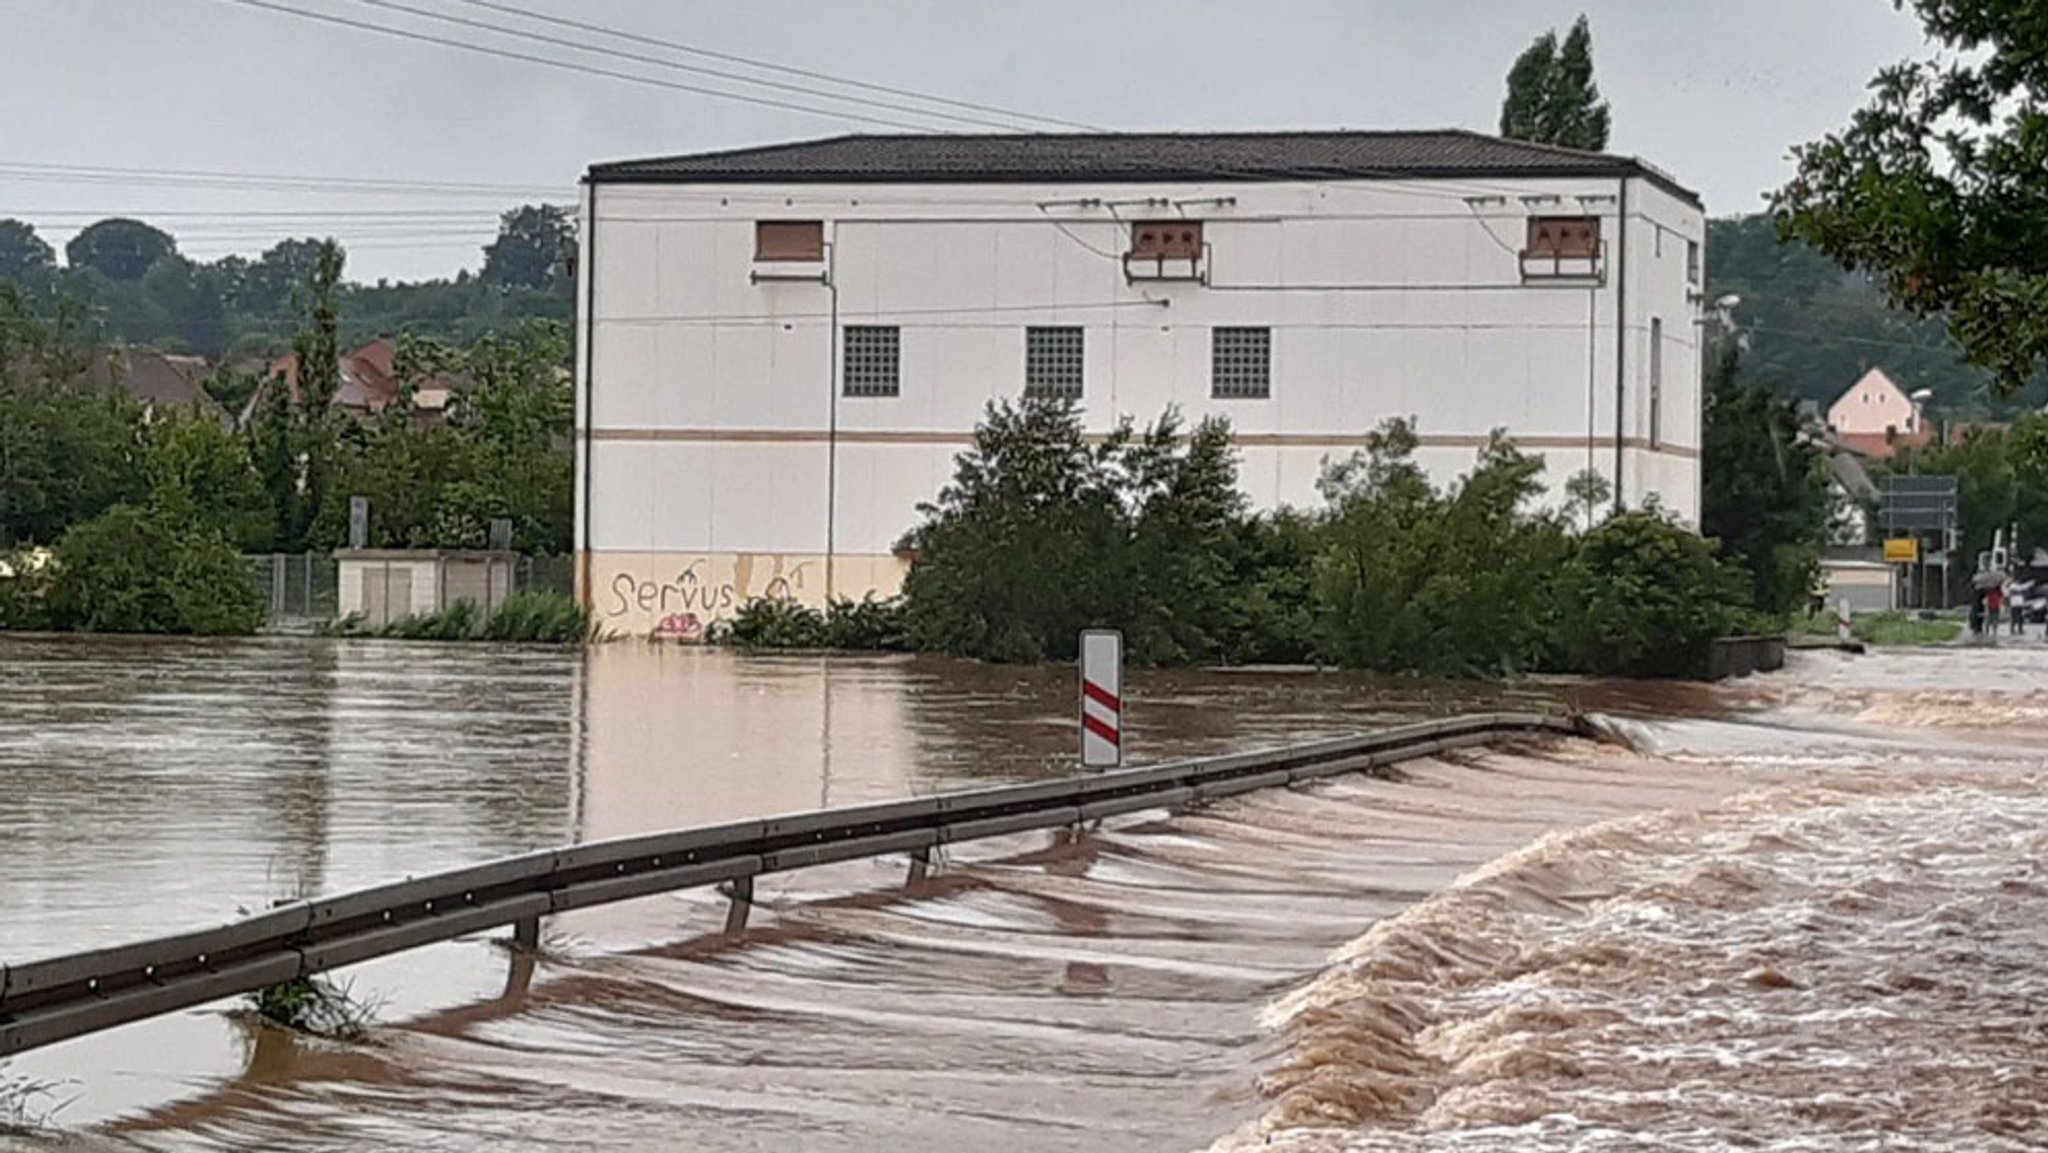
1102, 698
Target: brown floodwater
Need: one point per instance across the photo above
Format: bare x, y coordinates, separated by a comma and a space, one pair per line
1797, 913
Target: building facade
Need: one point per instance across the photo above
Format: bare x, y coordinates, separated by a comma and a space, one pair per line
1876, 418
784, 347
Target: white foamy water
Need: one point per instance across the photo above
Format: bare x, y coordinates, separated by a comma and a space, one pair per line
1851, 955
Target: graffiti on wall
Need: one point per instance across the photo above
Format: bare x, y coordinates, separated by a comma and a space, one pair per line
684, 605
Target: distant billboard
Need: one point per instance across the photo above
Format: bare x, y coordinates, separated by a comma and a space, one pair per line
1915, 504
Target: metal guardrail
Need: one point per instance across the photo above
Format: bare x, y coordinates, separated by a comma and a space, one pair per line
43, 1002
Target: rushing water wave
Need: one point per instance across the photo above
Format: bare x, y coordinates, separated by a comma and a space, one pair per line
1760, 919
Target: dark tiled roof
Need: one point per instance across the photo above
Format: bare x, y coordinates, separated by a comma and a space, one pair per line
1130, 157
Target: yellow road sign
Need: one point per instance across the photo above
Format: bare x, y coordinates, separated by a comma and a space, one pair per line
1904, 550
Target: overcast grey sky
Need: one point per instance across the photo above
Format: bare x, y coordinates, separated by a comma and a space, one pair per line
1714, 93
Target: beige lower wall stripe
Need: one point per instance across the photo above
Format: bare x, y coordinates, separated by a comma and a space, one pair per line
962, 440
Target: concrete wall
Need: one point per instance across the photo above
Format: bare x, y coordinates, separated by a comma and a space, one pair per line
720, 441
414, 584
1869, 587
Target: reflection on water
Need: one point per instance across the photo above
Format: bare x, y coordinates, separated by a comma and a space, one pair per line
1635, 934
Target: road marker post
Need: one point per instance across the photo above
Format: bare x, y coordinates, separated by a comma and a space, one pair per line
1102, 699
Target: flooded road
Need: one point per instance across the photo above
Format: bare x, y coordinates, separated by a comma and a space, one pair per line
1550, 946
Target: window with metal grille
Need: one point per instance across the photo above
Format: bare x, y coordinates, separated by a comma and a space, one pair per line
873, 360
800, 240
1241, 363
1053, 359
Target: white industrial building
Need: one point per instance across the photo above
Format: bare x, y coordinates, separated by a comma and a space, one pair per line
784, 347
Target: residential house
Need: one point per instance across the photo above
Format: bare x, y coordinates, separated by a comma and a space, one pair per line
1876, 418
160, 382
369, 384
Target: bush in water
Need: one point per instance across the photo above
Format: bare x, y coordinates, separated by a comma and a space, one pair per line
132, 570
869, 624
1644, 597
315, 1006
25, 578
1041, 534
529, 617
1410, 579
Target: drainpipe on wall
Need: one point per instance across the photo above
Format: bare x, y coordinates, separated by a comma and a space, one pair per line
832, 418
1620, 338
1592, 388
589, 444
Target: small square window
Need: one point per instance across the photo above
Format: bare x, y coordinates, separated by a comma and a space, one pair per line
873, 361
1241, 363
1053, 362
789, 240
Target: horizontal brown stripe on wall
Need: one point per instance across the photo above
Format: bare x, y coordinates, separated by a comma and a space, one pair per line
962, 440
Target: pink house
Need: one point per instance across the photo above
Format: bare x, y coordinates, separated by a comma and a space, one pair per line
1876, 418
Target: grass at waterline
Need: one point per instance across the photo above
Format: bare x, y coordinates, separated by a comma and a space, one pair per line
27, 1105
317, 1007
1886, 629
535, 618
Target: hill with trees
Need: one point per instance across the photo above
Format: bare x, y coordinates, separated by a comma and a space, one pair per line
136, 288
1811, 328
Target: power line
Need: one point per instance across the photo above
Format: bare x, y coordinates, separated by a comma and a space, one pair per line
568, 65
1760, 330
543, 38
337, 185
770, 66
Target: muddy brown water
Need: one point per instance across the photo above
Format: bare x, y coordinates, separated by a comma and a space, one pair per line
1804, 912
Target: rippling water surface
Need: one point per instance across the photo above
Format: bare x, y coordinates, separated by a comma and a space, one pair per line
1799, 913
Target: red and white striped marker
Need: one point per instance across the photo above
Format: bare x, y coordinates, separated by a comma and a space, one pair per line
1102, 699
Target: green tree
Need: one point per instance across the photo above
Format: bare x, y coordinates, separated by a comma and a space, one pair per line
532, 249
2001, 481
1415, 580
1764, 487
1644, 597
1552, 97
67, 450
1041, 535
130, 570
119, 248
201, 479
294, 438
1935, 187
1810, 329
24, 256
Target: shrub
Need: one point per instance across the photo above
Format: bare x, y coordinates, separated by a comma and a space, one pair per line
130, 570
529, 617
213, 593
1041, 535
315, 1006
866, 625
771, 623
1413, 580
25, 578
1645, 597
539, 617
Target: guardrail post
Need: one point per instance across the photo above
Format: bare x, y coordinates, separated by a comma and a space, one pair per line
526, 934
742, 893
920, 868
